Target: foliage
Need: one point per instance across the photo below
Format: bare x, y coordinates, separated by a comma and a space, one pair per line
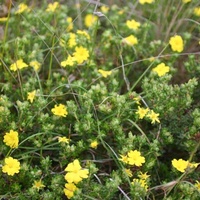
100, 101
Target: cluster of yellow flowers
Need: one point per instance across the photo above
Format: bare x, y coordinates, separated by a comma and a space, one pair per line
80, 55
20, 64
146, 112
11, 166
133, 158
22, 8
131, 39
52, 7
182, 165
74, 175
142, 181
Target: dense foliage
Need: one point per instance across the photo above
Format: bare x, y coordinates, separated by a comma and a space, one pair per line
100, 101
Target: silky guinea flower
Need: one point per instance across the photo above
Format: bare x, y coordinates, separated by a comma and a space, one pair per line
19, 64
137, 100
70, 61
11, 166
104, 73
31, 96
75, 173
94, 144
128, 172
35, 64
135, 158
186, 1
143, 176
142, 112
11, 139
84, 33
161, 69
141, 182
130, 40
72, 40
146, 1
38, 185
63, 140
197, 185
81, 54
69, 190
70, 24
22, 8
153, 116
52, 7
3, 19
180, 164
90, 19
132, 24
197, 11
176, 43
104, 9
59, 110
124, 158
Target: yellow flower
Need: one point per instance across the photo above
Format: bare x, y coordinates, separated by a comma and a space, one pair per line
151, 59
11, 139
22, 8
124, 158
59, 110
104, 9
75, 173
38, 185
143, 176
69, 190
142, 112
128, 172
72, 40
146, 1
135, 158
104, 73
197, 185
63, 139
70, 24
181, 165
81, 54
3, 19
52, 7
137, 100
141, 182
153, 116
90, 20
69, 62
130, 40
161, 69
94, 144
80, 32
186, 1
197, 11
176, 43
132, 24
35, 64
19, 64
121, 12
11, 167
31, 96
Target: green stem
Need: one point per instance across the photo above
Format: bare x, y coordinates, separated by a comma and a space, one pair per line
51, 57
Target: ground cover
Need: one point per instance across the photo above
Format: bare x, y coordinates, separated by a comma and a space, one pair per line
100, 100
